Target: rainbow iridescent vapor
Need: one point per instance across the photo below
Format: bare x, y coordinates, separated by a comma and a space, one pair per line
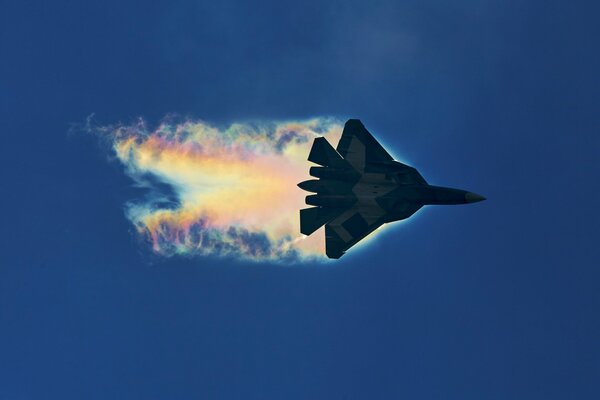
232, 191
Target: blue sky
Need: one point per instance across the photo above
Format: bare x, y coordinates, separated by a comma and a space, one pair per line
495, 300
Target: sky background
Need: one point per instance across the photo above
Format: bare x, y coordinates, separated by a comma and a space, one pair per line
496, 300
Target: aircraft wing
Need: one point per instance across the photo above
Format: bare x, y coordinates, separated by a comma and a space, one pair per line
347, 230
356, 223
366, 154
359, 147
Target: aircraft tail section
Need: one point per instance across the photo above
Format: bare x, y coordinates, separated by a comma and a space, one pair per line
324, 154
313, 218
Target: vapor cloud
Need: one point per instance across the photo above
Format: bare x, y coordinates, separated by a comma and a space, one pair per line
221, 191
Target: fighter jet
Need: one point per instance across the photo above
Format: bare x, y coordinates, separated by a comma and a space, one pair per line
361, 187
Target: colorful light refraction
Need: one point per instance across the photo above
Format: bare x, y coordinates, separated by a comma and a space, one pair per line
232, 191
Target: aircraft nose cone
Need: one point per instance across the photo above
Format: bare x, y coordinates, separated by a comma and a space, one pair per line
473, 197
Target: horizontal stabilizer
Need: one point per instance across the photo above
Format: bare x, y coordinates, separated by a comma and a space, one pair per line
323, 154
313, 218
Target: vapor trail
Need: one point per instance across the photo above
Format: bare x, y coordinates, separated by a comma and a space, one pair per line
230, 191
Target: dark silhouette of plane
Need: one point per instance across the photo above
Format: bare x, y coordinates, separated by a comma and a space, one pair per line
361, 187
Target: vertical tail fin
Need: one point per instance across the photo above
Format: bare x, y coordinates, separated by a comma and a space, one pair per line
323, 154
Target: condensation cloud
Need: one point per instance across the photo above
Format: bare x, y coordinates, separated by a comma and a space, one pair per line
221, 191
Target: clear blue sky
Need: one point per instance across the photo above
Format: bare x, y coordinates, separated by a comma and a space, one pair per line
498, 300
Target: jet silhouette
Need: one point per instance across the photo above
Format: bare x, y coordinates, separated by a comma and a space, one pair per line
361, 187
